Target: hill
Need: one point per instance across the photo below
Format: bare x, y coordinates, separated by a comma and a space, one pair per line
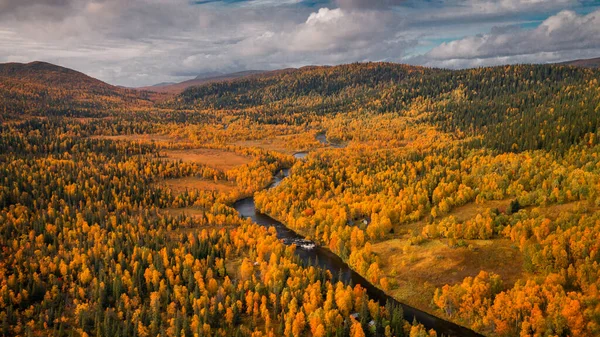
586, 63
41, 88
472, 195
176, 88
511, 108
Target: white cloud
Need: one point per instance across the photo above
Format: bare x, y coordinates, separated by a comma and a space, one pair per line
563, 33
491, 6
324, 15
336, 29
327, 36
141, 42
369, 4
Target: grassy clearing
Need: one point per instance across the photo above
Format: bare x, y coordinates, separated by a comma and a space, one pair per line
271, 144
554, 211
469, 211
288, 144
462, 214
143, 138
218, 159
418, 270
180, 185
193, 212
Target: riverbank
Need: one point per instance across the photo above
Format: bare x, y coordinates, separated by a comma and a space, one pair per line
324, 258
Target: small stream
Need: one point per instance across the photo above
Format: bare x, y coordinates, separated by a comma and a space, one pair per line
324, 258
321, 137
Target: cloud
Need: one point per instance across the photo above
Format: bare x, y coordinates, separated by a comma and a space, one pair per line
441, 13
563, 33
13, 5
368, 4
327, 36
489, 6
51, 9
336, 29
141, 42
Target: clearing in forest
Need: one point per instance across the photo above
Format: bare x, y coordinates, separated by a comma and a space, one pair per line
215, 158
180, 185
418, 270
142, 138
288, 144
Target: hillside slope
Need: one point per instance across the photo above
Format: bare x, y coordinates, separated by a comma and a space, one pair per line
586, 63
176, 88
512, 108
473, 195
41, 88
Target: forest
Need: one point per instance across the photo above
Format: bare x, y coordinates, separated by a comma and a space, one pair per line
472, 195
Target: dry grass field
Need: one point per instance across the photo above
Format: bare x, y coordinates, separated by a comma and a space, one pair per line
288, 144
218, 159
461, 214
270, 144
418, 270
143, 138
554, 211
191, 211
180, 185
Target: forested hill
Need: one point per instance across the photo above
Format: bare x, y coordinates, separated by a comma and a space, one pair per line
328, 87
40, 88
513, 108
510, 108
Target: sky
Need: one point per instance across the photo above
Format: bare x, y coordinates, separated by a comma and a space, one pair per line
143, 42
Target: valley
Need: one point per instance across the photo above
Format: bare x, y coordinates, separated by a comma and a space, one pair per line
371, 198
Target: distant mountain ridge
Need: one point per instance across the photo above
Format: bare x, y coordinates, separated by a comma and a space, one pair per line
162, 84
237, 74
585, 63
209, 74
211, 77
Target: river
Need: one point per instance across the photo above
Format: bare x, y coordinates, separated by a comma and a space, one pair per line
330, 261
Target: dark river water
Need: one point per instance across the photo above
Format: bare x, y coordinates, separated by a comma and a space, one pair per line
326, 259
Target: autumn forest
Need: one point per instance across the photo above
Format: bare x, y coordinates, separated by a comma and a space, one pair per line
469, 196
